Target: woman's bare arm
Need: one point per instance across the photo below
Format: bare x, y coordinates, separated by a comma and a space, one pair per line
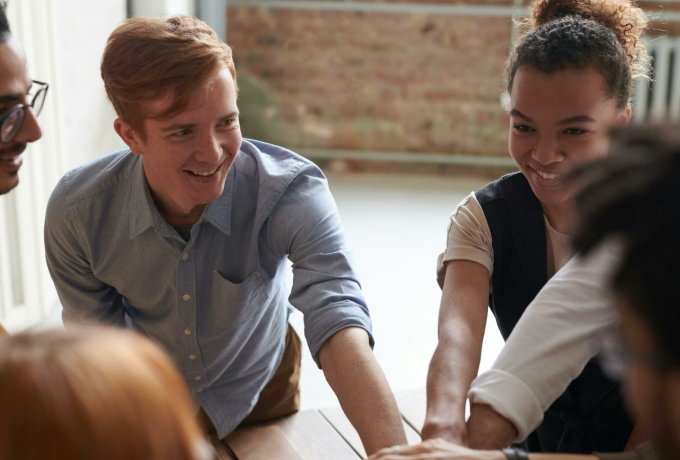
462, 320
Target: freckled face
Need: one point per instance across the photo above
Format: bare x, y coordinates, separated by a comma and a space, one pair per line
187, 157
559, 121
15, 85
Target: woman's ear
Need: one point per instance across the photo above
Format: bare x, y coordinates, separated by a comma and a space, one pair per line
623, 118
131, 138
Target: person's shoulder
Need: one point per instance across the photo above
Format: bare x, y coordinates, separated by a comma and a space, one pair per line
273, 166
468, 206
494, 191
97, 176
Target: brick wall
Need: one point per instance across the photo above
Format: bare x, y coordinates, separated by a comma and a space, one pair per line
373, 81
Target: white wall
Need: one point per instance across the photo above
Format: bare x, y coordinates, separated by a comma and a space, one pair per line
82, 27
150, 8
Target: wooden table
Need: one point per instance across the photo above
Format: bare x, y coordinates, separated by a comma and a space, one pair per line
324, 434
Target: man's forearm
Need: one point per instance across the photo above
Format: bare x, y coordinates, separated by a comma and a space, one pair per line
487, 429
360, 385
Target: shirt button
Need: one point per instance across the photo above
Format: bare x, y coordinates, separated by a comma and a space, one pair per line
187, 332
185, 256
186, 297
197, 378
192, 357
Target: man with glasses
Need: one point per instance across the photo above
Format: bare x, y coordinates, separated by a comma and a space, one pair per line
20, 103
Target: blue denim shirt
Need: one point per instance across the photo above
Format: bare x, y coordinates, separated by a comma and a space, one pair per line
217, 303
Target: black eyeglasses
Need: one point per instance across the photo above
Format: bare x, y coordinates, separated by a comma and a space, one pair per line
12, 121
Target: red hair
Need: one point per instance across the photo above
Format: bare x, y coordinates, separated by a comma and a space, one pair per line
93, 393
147, 57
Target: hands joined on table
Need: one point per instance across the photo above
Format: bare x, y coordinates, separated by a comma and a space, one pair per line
436, 449
485, 429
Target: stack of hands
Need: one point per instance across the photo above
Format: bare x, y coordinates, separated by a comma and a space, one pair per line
436, 449
485, 429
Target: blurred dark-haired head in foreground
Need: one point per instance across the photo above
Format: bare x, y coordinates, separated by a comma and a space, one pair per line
634, 196
93, 393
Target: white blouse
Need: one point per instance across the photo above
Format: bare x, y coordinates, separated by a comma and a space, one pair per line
559, 332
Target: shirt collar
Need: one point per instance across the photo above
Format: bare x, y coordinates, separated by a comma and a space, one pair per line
219, 212
141, 217
142, 207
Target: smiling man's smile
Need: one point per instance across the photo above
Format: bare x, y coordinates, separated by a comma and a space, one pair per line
204, 174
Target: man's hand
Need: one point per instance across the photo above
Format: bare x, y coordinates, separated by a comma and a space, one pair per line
487, 429
354, 374
436, 449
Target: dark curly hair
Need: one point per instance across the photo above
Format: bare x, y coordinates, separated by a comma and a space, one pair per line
581, 34
634, 194
4, 23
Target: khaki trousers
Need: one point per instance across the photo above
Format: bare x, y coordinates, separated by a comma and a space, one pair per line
281, 396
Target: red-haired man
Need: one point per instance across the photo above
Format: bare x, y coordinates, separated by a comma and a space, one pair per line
188, 232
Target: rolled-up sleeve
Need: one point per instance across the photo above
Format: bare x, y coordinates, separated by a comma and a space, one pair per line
84, 298
560, 331
468, 238
306, 226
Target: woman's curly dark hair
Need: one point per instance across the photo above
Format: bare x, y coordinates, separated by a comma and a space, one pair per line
581, 34
633, 194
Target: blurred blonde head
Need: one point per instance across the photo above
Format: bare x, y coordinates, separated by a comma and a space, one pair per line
93, 393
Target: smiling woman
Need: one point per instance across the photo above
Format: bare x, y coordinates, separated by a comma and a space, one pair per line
558, 121
569, 80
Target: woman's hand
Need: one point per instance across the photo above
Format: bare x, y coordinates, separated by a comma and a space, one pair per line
436, 449
447, 430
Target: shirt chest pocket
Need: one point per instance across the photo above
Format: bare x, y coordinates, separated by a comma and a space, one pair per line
235, 304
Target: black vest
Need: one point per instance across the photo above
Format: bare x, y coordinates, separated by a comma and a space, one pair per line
590, 415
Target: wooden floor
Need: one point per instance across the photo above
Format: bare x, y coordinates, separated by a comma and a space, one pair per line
324, 434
